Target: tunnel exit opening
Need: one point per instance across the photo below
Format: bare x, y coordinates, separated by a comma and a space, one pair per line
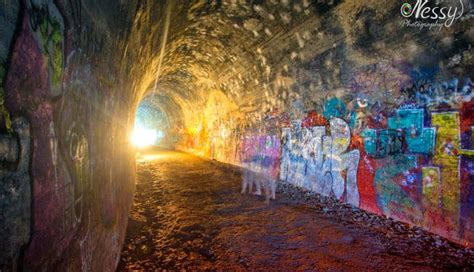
151, 126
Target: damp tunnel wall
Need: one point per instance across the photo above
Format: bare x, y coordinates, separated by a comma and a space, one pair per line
344, 90
68, 103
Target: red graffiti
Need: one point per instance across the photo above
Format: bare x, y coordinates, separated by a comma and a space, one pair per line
313, 119
365, 177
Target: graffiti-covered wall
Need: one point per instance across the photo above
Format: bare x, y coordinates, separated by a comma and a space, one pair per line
412, 160
413, 164
355, 100
66, 174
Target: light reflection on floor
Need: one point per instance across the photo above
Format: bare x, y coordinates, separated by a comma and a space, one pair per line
154, 154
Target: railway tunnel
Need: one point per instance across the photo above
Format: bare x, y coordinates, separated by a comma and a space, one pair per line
128, 129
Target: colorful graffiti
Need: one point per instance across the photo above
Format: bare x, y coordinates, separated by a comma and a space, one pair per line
320, 161
260, 154
413, 162
47, 24
405, 133
52, 181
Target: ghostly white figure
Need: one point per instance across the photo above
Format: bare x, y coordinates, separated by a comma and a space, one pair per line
245, 182
247, 164
269, 188
249, 178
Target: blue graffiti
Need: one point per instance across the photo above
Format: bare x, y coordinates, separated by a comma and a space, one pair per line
418, 139
384, 142
334, 107
405, 134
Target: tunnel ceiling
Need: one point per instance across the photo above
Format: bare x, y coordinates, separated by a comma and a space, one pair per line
251, 57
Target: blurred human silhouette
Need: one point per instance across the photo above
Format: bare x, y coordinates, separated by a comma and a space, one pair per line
250, 178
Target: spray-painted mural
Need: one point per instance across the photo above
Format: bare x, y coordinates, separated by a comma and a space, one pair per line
406, 152
320, 160
48, 143
413, 162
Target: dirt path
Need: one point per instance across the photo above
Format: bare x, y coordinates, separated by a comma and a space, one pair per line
188, 214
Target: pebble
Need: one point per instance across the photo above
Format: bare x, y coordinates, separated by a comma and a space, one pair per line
412, 236
176, 225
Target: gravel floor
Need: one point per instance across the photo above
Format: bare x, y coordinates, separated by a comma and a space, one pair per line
189, 215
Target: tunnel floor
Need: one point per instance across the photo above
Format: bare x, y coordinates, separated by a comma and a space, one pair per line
189, 214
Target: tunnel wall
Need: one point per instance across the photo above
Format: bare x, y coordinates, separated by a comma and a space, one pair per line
67, 188
376, 114
413, 164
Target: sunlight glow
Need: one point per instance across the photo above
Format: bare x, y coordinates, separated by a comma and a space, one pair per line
142, 137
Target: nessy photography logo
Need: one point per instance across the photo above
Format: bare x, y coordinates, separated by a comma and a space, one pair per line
431, 13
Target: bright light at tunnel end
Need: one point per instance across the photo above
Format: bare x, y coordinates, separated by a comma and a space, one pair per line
142, 137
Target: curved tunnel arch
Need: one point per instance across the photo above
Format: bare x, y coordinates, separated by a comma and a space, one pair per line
237, 69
